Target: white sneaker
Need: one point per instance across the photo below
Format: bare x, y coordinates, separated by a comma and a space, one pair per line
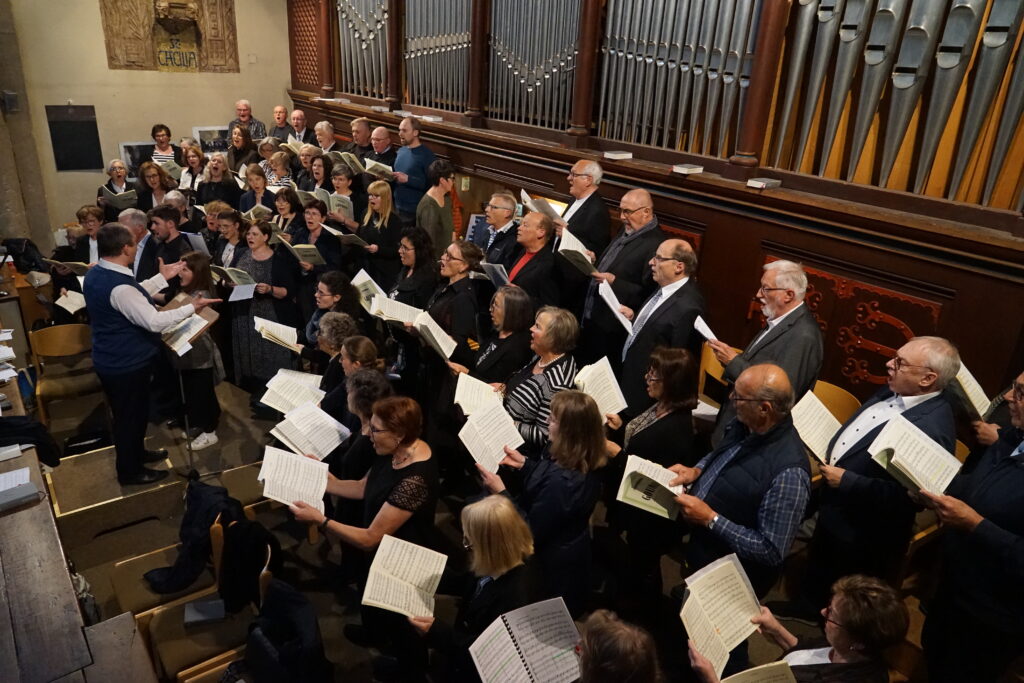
204, 440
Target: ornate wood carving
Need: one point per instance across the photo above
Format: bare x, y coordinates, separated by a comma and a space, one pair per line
167, 35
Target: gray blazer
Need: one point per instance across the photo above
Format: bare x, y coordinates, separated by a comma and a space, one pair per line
794, 345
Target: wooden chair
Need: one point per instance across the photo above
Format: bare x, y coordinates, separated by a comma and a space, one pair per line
133, 592
182, 654
840, 402
78, 379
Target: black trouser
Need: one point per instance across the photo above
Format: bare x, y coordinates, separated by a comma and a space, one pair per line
958, 647
128, 397
200, 398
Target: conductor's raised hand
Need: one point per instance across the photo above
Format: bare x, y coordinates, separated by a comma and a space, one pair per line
202, 302
169, 270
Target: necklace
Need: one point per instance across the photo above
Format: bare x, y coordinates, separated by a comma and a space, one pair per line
542, 364
396, 464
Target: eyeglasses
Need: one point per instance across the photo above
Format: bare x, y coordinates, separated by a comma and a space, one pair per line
466, 544
651, 377
629, 212
375, 430
764, 289
828, 616
376, 196
318, 293
733, 396
898, 364
402, 247
448, 257
574, 174
1016, 394
495, 206
662, 259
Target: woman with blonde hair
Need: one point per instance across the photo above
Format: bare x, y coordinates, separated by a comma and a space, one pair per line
217, 183
559, 491
500, 545
192, 173
382, 230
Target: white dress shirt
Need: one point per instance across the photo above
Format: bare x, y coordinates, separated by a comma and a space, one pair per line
130, 302
666, 292
872, 417
574, 207
94, 251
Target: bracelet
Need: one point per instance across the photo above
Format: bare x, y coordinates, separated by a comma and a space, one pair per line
322, 526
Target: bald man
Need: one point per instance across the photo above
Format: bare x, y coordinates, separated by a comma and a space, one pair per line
281, 130
665, 319
381, 151
624, 266
302, 133
748, 496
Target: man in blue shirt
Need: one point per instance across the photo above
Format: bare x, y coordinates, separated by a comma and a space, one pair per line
411, 170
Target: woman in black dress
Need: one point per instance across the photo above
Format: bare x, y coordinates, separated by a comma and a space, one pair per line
315, 213
417, 279
399, 495
356, 353
382, 230
241, 151
662, 434
559, 492
218, 183
509, 348
289, 216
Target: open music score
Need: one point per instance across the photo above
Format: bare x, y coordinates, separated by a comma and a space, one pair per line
912, 457
528, 645
815, 424
288, 477
309, 430
289, 389
471, 394
404, 578
598, 381
717, 609
487, 432
645, 485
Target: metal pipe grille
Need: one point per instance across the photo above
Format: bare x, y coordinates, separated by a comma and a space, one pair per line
363, 37
437, 34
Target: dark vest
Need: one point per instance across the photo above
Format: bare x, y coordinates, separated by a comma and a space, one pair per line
739, 489
118, 346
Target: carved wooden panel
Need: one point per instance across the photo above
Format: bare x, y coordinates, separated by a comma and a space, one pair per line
303, 20
141, 35
862, 325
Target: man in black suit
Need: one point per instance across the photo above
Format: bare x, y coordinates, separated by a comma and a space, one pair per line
623, 266
791, 339
500, 242
303, 134
865, 518
381, 151
587, 219
665, 319
533, 266
974, 629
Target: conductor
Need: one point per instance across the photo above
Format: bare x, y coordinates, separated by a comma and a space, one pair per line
126, 330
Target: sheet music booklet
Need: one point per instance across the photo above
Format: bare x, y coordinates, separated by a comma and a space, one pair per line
288, 477
645, 485
529, 645
574, 251
368, 289
289, 389
486, 433
404, 577
912, 457
608, 296
717, 609
815, 424
599, 382
308, 430
282, 335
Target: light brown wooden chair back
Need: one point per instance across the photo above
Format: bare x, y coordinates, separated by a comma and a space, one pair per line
58, 341
840, 402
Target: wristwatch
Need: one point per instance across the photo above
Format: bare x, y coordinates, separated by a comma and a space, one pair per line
713, 522
323, 525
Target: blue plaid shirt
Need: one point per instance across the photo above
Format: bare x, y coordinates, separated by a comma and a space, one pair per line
778, 517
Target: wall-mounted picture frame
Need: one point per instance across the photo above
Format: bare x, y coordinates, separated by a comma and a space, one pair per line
133, 154
211, 138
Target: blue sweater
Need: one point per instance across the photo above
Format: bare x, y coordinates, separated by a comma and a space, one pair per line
118, 346
413, 161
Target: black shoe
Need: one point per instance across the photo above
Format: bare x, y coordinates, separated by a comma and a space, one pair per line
154, 456
145, 476
795, 610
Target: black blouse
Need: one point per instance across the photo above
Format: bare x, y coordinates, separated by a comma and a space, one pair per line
500, 358
453, 306
413, 488
416, 289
